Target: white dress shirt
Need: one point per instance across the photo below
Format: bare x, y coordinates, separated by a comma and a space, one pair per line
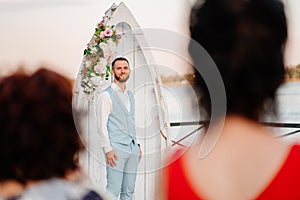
104, 108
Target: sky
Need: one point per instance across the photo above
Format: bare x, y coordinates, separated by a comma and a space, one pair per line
54, 33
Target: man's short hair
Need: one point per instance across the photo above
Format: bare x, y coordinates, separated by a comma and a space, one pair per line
117, 59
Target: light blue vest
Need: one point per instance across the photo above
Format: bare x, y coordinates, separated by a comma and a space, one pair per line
121, 124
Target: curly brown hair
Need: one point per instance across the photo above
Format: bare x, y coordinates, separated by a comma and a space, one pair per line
38, 137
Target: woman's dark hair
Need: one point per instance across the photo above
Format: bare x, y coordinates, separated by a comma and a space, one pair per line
246, 39
38, 137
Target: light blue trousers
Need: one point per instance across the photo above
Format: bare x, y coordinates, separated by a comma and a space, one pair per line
121, 178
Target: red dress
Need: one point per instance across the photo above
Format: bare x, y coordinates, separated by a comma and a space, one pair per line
285, 185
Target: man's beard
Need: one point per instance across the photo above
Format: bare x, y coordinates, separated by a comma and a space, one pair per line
121, 80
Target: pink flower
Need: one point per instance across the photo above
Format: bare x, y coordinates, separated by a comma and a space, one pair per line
102, 23
109, 55
102, 34
108, 33
84, 71
97, 68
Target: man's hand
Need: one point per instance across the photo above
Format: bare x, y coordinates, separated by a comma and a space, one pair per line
111, 158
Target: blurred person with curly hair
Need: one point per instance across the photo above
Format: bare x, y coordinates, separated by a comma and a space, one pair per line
39, 143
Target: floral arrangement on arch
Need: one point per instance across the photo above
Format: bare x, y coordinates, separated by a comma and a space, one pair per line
98, 55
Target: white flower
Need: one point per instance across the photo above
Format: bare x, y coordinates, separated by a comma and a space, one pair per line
111, 44
109, 54
103, 46
100, 66
103, 62
102, 34
87, 63
93, 42
97, 68
96, 80
94, 49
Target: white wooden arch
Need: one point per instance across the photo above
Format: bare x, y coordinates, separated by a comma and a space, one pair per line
151, 111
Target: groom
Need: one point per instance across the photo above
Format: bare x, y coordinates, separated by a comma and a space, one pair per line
116, 126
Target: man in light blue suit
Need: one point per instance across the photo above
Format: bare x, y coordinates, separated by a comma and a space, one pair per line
116, 126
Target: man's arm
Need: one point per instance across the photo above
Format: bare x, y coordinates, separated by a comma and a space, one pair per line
103, 109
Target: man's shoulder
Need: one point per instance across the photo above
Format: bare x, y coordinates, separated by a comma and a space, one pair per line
108, 90
104, 95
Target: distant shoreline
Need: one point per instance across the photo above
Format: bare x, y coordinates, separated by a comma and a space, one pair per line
294, 80
188, 83
176, 83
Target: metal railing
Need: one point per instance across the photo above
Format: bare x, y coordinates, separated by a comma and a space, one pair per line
202, 124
